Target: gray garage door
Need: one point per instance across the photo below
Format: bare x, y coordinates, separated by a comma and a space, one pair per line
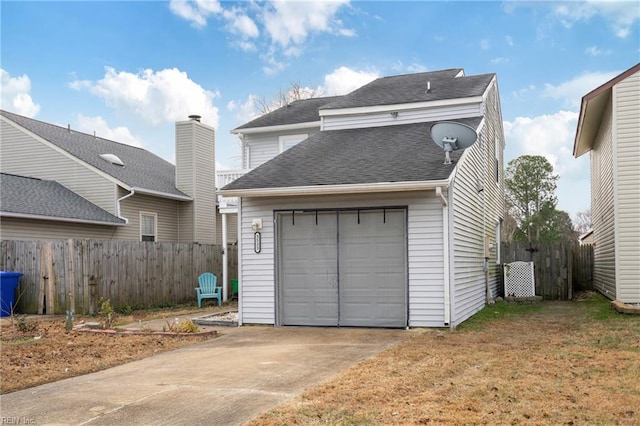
342, 268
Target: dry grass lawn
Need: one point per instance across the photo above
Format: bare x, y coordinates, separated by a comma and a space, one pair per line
570, 363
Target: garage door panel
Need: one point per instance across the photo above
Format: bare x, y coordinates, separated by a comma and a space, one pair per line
372, 273
308, 269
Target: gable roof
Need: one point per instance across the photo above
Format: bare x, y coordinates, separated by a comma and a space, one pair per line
142, 169
409, 88
400, 153
300, 111
35, 198
591, 109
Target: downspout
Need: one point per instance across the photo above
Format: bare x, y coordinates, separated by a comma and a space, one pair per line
445, 250
225, 278
126, 221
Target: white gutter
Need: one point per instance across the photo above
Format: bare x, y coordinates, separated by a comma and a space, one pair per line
160, 194
447, 269
126, 221
59, 219
355, 188
225, 278
281, 127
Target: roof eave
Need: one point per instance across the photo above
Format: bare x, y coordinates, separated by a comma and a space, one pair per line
59, 219
145, 191
398, 107
277, 128
357, 188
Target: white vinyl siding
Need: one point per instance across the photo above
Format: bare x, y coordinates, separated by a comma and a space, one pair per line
473, 210
425, 252
287, 141
358, 121
602, 208
23, 154
626, 128
262, 147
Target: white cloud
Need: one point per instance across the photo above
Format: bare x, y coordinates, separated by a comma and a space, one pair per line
292, 22
285, 26
156, 96
101, 128
621, 15
595, 51
414, 67
552, 136
485, 44
15, 94
499, 60
571, 92
344, 80
244, 111
509, 40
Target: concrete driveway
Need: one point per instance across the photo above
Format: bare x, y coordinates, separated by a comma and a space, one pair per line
225, 381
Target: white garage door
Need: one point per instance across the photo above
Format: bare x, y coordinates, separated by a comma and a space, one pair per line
342, 268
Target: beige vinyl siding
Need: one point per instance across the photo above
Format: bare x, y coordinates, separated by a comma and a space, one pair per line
23, 154
31, 229
166, 209
425, 251
195, 176
626, 99
185, 222
602, 208
477, 170
422, 115
264, 146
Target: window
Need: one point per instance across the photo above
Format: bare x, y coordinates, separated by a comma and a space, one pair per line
148, 226
498, 241
497, 160
288, 141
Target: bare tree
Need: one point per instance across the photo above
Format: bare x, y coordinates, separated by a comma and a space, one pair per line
582, 222
294, 92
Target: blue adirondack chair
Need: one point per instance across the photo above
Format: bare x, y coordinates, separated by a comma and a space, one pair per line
208, 289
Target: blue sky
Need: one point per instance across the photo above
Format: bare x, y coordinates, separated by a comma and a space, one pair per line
129, 70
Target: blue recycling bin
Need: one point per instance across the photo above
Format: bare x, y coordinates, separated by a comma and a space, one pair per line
8, 285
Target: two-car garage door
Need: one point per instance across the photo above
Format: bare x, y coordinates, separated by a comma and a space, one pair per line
342, 268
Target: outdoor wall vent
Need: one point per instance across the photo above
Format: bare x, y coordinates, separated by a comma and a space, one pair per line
112, 158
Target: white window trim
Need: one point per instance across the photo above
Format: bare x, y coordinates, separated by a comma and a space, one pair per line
498, 241
284, 139
155, 224
496, 162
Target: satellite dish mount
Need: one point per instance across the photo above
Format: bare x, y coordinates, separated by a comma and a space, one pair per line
451, 136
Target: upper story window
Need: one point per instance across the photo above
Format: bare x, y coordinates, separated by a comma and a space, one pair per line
288, 141
148, 226
497, 160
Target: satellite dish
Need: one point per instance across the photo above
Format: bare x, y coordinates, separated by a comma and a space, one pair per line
451, 136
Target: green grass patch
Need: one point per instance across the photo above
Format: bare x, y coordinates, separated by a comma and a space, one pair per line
598, 308
497, 311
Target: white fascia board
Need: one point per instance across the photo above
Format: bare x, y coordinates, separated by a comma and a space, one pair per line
66, 154
357, 188
399, 107
280, 128
161, 194
58, 219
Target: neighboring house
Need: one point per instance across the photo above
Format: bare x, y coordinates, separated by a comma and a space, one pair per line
61, 183
586, 238
359, 222
609, 130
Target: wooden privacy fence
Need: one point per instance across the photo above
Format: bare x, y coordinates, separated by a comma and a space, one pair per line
560, 268
61, 275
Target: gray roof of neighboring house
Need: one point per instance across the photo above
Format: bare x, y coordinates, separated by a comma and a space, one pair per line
142, 169
400, 153
300, 111
22, 195
407, 88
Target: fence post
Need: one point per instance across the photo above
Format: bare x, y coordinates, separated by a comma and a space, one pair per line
570, 273
93, 294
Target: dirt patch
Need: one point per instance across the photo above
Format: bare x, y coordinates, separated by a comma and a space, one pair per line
550, 363
45, 352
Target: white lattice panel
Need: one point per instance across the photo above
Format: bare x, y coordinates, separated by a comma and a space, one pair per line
519, 279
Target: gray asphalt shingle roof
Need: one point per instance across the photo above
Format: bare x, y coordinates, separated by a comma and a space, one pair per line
32, 196
401, 153
142, 169
407, 88
300, 111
